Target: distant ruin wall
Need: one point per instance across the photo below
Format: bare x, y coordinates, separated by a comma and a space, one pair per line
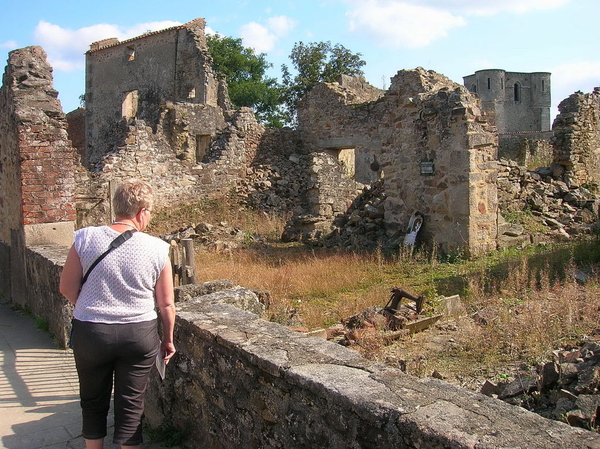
140, 77
154, 157
426, 138
517, 101
526, 148
577, 138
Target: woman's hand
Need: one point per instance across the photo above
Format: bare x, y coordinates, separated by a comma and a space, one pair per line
167, 349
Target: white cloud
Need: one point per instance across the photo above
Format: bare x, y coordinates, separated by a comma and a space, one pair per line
258, 37
572, 77
262, 38
486, 7
66, 48
9, 45
417, 23
401, 24
281, 25
479, 7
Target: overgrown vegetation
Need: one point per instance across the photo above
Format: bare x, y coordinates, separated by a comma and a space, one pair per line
275, 102
520, 305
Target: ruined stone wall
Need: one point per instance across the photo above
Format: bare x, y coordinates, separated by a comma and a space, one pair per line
10, 164
36, 173
577, 138
428, 141
526, 148
140, 77
176, 177
239, 381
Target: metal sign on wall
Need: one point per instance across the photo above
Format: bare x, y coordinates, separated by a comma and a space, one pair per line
427, 167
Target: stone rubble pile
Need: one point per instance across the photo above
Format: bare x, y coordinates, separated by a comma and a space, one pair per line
217, 238
277, 186
362, 227
560, 212
566, 389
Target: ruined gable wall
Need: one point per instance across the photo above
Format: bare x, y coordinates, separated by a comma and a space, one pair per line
577, 138
37, 157
196, 82
164, 67
325, 123
109, 74
423, 117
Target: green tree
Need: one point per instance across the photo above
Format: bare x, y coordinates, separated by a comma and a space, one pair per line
314, 63
245, 73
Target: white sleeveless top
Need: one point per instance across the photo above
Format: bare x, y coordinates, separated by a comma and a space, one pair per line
120, 289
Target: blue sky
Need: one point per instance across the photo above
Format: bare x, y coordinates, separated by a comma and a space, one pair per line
452, 37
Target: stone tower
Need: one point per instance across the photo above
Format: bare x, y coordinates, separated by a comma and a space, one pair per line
520, 102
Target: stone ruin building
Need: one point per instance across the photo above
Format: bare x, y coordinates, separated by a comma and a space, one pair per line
361, 163
520, 102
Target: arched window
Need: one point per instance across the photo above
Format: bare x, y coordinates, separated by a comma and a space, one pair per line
517, 92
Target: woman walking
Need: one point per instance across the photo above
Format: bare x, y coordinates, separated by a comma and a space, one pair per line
117, 276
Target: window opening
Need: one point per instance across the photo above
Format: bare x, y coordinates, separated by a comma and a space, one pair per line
202, 144
347, 159
130, 53
489, 81
517, 92
129, 108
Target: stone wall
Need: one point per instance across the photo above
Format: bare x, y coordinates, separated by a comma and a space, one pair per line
518, 102
36, 157
152, 156
139, 78
239, 381
427, 139
577, 139
526, 148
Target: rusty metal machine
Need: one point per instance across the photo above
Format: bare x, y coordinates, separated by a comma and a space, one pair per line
393, 303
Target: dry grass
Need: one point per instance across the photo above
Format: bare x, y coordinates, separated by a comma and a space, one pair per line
309, 288
528, 302
516, 327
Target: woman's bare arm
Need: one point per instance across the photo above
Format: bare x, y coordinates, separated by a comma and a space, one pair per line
166, 306
70, 278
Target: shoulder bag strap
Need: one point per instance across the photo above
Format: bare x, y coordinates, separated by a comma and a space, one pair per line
122, 238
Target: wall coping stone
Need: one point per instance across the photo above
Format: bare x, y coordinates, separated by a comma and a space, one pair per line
407, 411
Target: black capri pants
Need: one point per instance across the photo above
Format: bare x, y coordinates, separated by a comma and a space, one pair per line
126, 351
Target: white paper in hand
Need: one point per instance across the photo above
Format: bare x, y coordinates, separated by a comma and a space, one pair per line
161, 366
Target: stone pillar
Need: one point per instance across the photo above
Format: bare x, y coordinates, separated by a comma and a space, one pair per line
36, 165
38, 176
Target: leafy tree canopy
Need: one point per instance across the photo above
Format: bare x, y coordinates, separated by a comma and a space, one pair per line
314, 63
246, 77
